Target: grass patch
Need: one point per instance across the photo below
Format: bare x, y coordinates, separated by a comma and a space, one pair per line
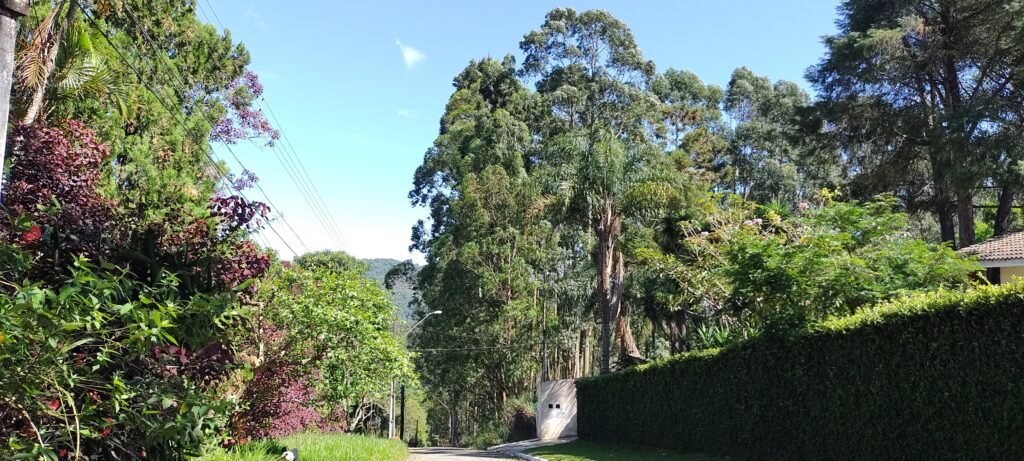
588, 451
317, 447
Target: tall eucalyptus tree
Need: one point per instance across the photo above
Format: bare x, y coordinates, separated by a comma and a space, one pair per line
775, 151
602, 165
485, 237
690, 125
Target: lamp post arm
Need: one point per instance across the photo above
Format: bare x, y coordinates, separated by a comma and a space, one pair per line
425, 317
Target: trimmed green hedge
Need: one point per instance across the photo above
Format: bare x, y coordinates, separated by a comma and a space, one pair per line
930, 377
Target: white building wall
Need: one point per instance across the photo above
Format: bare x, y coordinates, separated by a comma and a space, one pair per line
556, 409
1010, 273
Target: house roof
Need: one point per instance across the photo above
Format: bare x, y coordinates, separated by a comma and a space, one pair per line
1003, 248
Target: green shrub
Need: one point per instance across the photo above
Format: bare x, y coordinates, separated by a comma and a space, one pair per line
493, 433
105, 367
934, 376
521, 418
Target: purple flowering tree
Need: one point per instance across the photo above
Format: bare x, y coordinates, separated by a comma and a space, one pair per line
244, 120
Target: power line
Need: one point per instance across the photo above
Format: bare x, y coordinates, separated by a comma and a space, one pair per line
309, 192
208, 4
298, 160
262, 239
272, 204
319, 209
290, 169
301, 173
152, 45
303, 182
470, 349
172, 113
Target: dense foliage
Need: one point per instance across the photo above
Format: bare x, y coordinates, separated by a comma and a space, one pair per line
931, 376
321, 351
135, 311
402, 290
589, 212
102, 363
111, 348
924, 97
729, 271
64, 163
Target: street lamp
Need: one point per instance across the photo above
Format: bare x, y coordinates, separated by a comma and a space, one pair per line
391, 413
425, 317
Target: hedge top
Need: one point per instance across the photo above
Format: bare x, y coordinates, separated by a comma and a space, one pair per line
902, 308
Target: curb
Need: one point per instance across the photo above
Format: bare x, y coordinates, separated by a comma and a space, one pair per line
527, 457
517, 449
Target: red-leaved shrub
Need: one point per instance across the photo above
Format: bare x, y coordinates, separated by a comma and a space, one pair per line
50, 194
278, 401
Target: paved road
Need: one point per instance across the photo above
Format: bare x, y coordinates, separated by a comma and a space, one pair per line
454, 454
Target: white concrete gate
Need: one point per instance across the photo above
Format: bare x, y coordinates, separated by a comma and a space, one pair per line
556, 409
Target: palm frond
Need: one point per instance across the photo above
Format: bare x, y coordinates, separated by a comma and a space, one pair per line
33, 56
80, 72
76, 45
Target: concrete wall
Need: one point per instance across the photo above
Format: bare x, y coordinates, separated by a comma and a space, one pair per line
556, 409
1008, 274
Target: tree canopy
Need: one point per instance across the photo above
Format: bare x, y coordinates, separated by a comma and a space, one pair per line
583, 195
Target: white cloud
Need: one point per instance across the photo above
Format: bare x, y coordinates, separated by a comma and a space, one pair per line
256, 19
410, 55
267, 75
406, 113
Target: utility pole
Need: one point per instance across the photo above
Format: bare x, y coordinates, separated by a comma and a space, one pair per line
391, 394
401, 419
10, 11
391, 414
391, 411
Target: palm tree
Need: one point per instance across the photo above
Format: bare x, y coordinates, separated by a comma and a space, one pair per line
603, 180
58, 62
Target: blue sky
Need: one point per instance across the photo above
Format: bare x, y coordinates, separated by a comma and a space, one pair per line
359, 87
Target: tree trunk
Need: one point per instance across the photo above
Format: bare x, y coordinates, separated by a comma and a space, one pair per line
958, 133
586, 359
501, 394
627, 343
676, 331
454, 423
49, 60
623, 331
965, 216
451, 425
1004, 211
544, 337
577, 356
944, 211
611, 273
605, 269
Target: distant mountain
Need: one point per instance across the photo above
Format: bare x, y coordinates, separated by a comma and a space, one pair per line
378, 268
403, 295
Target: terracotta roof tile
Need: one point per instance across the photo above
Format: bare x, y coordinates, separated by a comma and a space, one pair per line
1002, 248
